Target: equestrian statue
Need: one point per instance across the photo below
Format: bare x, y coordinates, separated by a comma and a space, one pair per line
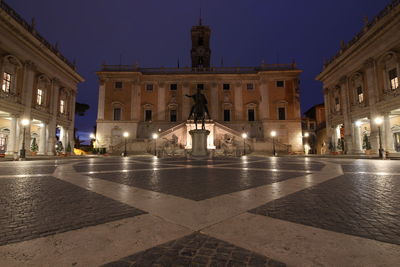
199, 109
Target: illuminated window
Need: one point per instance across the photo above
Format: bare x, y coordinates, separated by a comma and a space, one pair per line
394, 79
117, 114
360, 94
62, 106
39, 97
7, 79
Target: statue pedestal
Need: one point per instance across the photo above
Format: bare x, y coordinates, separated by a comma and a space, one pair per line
199, 143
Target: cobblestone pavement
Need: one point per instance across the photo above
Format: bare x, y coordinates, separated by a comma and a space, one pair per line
196, 183
196, 250
249, 211
42, 206
363, 205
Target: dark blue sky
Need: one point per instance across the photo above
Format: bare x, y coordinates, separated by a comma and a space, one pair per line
157, 32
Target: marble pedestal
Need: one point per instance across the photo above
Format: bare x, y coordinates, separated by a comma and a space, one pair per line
199, 143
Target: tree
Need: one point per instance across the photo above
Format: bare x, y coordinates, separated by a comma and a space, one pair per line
34, 146
81, 108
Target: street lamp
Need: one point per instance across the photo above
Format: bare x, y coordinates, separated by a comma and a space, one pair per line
379, 121
126, 134
24, 122
155, 136
244, 136
273, 134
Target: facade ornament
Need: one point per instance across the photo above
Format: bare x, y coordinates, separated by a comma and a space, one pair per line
369, 63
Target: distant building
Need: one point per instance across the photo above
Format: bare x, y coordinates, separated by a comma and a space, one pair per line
251, 100
361, 84
37, 84
313, 125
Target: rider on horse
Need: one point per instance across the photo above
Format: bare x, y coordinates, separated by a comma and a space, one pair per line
199, 109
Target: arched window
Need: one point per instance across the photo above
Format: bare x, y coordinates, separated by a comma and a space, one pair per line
389, 65
357, 87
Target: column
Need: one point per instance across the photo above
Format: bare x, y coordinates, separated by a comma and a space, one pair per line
387, 137
43, 139
238, 98
357, 149
27, 92
12, 138
51, 138
345, 107
161, 102
264, 103
101, 103
214, 107
51, 133
186, 101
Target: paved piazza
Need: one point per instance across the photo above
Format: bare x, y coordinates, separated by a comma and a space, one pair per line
250, 211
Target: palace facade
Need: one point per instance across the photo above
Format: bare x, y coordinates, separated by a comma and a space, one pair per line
251, 100
361, 88
37, 86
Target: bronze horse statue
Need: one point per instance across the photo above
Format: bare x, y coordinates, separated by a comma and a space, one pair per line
199, 109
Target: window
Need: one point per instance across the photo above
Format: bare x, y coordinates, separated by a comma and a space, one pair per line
250, 115
280, 84
117, 114
312, 126
174, 87
360, 94
200, 86
7, 81
147, 115
282, 114
250, 86
337, 104
39, 97
118, 85
394, 79
149, 87
201, 41
226, 86
227, 114
172, 115
62, 106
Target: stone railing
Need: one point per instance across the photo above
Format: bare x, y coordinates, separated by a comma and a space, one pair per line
187, 70
10, 96
31, 29
393, 4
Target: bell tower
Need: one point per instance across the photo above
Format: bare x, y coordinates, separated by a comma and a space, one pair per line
201, 52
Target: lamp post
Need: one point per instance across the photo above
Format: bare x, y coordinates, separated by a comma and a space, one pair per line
244, 136
155, 136
92, 139
379, 121
24, 122
273, 134
126, 134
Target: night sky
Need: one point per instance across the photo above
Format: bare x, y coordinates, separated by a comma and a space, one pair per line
156, 33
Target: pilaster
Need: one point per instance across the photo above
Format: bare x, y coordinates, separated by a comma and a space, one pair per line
161, 102
238, 99
101, 103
